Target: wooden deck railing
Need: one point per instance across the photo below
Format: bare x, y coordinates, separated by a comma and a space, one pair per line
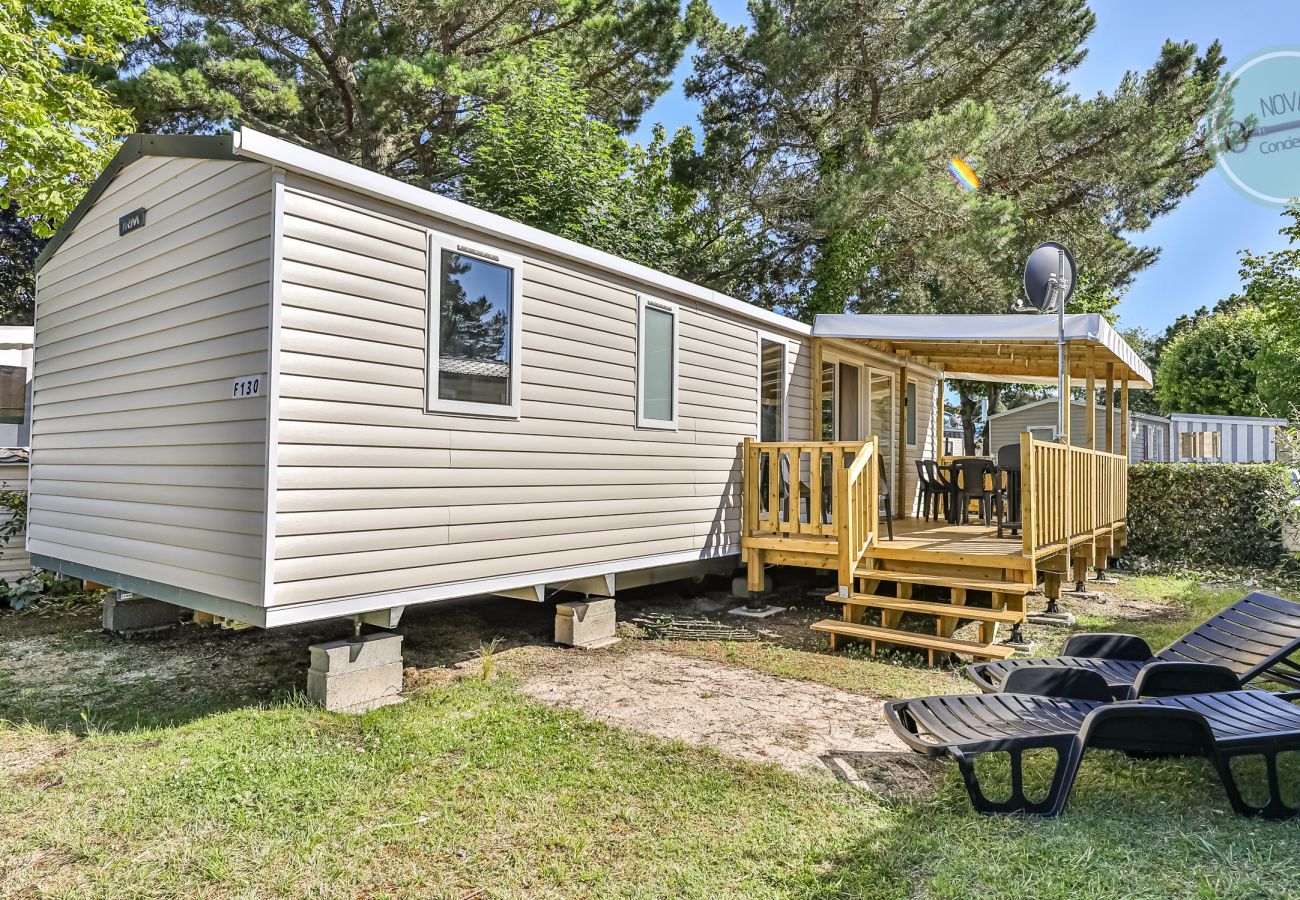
857, 510
1054, 517
814, 489
789, 486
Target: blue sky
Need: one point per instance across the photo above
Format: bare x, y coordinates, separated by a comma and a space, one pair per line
1200, 239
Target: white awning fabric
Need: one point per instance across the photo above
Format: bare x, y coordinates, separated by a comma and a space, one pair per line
1005, 348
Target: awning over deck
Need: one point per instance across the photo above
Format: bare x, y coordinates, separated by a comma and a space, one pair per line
1009, 348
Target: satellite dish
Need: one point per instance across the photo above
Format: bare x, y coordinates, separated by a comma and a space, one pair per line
1049, 277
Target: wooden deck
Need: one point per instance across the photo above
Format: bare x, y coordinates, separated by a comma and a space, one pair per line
917, 539
815, 505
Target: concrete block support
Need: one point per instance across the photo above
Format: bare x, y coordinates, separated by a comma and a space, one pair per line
125, 612
356, 675
587, 624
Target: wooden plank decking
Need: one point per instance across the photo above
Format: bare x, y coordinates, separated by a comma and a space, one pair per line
812, 505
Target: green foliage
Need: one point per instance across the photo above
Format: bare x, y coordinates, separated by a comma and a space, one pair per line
19, 247
13, 509
1273, 286
23, 592
1211, 367
1149, 349
539, 157
837, 120
57, 125
1206, 515
394, 86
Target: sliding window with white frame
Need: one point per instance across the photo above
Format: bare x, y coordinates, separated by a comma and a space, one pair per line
475, 329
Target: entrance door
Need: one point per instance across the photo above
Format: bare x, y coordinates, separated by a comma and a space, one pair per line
858, 402
884, 421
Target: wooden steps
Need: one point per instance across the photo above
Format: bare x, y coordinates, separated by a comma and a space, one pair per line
932, 608
1017, 588
929, 642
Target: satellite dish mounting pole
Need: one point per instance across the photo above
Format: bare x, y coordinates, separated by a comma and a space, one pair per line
1062, 376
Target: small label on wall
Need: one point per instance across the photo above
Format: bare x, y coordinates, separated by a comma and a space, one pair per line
130, 222
247, 386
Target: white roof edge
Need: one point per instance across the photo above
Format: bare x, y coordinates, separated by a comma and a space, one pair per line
1198, 417
1003, 328
1079, 404
264, 148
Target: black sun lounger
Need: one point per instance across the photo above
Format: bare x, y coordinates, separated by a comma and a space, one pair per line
1219, 726
1253, 638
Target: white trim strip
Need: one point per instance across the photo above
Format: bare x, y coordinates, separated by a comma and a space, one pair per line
273, 387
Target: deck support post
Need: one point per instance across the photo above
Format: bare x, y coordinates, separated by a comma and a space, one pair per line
901, 508
755, 579
1091, 403
938, 424
1082, 557
1123, 418
1110, 407
1101, 558
1052, 591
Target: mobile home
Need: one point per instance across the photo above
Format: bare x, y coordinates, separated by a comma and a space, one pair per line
1149, 435
276, 387
1239, 439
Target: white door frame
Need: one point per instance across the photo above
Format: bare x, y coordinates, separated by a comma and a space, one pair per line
786, 357
865, 373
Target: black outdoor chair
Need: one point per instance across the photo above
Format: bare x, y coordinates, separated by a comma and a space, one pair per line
1008, 487
1252, 638
933, 497
972, 485
1068, 713
887, 504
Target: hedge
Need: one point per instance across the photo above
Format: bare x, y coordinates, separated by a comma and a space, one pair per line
1209, 514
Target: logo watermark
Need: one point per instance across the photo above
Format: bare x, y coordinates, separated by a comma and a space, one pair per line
1254, 126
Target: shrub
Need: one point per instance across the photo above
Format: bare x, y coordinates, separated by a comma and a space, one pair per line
1210, 514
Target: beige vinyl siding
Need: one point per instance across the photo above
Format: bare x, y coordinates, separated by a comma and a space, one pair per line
926, 391
374, 494
142, 465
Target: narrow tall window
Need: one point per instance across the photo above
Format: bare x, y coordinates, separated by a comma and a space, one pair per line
657, 365
911, 413
13, 395
474, 330
771, 390
828, 401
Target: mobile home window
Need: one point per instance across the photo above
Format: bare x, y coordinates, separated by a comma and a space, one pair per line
911, 413
475, 334
656, 361
771, 390
13, 395
1042, 432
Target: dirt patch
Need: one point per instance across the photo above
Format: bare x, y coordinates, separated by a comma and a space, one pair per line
796, 724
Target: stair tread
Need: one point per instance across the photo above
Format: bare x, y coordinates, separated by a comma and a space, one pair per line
931, 608
928, 641
970, 584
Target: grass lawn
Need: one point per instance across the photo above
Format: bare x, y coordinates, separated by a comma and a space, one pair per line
469, 789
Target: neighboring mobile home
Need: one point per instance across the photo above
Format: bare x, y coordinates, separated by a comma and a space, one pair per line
276, 387
1149, 435
1241, 439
